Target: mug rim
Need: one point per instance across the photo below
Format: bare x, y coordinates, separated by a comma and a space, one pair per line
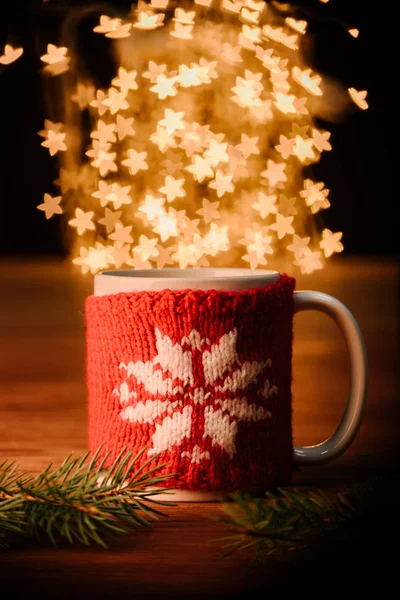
187, 274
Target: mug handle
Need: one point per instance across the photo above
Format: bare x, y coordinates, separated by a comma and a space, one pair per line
348, 427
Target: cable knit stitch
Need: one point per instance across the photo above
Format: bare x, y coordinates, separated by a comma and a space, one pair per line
201, 378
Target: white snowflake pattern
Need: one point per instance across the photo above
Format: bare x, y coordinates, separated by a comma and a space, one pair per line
166, 393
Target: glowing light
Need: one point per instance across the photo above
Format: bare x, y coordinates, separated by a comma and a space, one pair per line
213, 124
254, 259
121, 235
159, 4
209, 212
110, 219
119, 195
251, 17
305, 79
200, 168
249, 37
84, 95
300, 106
286, 206
285, 103
105, 162
137, 263
222, 184
10, 54
255, 5
173, 188
303, 149
354, 33
152, 207
299, 246
321, 140
217, 153
164, 257
282, 226
124, 127
82, 221
172, 167
185, 17
216, 240
205, 3
190, 228
261, 244
189, 77
232, 54
113, 28
173, 121
309, 262
285, 146
154, 71
116, 101
265, 205
121, 255
277, 35
106, 24
275, 173
103, 192
232, 6
331, 243
164, 87
96, 258
99, 104
104, 132
183, 32
248, 146
148, 21
298, 25
51, 206
315, 195
56, 59
54, 54
167, 226
146, 248
126, 80
135, 162
359, 98
163, 139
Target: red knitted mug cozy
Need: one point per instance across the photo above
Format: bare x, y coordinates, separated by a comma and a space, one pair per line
201, 378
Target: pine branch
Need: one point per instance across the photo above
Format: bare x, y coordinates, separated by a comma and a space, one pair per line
288, 519
83, 501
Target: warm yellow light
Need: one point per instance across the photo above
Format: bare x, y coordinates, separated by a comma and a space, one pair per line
135, 162
331, 243
173, 188
202, 133
354, 33
82, 221
51, 206
113, 28
298, 25
222, 183
10, 54
359, 98
148, 21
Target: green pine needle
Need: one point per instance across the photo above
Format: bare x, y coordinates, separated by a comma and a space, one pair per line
288, 519
83, 500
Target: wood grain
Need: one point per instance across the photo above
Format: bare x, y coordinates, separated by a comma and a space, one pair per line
43, 418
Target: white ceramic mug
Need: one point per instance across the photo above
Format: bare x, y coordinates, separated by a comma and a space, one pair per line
128, 285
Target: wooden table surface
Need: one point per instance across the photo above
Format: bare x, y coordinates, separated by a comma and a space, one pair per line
43, 418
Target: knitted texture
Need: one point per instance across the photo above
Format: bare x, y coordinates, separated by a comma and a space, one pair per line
201, 378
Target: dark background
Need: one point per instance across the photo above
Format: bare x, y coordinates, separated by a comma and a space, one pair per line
360, 171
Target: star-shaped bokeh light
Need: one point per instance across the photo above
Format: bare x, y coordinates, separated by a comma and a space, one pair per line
199, 150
